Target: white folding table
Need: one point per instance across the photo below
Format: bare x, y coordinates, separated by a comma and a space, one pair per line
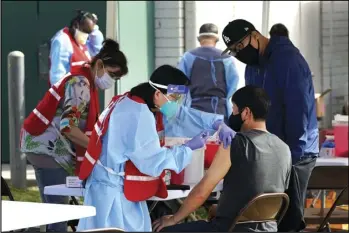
20, 215
331, 161
63, 190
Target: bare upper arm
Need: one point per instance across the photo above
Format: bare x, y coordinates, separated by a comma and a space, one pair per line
218, 169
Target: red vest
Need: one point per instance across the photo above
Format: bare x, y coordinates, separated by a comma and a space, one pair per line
137, 186
80, 53
41, 117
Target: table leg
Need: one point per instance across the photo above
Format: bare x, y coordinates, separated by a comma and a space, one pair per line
323, 201
73, 223
74, 201
312, 205
43, 228
152, 207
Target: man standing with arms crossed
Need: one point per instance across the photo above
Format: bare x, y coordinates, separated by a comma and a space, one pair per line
276, 65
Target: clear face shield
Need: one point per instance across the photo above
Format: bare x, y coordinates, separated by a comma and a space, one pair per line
176, 95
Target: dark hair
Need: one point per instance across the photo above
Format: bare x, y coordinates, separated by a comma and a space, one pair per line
255, 98
111, 55
163, 75
80, 19
278, 30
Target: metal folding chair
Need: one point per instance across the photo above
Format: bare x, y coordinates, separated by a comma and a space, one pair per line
263, 208
5, 190
328, 178
105, 230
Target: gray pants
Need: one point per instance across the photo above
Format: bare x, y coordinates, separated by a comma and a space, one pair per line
49, 172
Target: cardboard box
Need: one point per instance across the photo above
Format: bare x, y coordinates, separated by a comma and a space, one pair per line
320, 103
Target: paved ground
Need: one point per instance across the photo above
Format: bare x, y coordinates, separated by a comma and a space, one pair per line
6, 173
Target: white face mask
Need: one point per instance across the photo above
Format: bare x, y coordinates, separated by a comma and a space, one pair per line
80, 37
105, 81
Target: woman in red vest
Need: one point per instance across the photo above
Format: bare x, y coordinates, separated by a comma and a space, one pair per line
74, 44
124, 161
57, 131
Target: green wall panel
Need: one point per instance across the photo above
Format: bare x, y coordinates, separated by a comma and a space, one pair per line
136, 35
27, 25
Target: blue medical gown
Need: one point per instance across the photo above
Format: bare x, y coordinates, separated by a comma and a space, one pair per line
189, 122
61, 51
131, 135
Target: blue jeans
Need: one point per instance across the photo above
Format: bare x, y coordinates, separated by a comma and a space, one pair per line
47, 177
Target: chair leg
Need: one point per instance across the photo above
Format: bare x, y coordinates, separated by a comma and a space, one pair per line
333, 207
327, 228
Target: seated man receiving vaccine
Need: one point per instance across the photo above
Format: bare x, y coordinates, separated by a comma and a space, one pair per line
256, 162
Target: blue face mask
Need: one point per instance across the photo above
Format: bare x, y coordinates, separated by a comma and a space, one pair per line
169, 109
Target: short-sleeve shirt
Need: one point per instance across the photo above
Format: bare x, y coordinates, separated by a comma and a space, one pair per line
72, 111
260, 163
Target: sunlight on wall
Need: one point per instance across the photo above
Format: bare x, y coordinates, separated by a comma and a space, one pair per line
252, 12
221, 13
287, 13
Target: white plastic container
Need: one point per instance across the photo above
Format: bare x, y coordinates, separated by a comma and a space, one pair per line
73, 182
194, 172
328, 149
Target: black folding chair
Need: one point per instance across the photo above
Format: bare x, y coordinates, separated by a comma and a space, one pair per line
5, 190
328, 178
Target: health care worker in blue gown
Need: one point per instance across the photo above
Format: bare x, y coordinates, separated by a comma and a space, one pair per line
213, 80
213, 76
76, 43
126, 133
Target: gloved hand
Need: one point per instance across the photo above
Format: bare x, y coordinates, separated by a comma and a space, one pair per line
225, 134
198, 141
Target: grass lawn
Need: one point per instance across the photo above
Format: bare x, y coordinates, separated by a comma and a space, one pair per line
30, 194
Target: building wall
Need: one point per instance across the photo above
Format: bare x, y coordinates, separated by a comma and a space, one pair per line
169, 32
309, 23
334, 54
136, 37
27, 26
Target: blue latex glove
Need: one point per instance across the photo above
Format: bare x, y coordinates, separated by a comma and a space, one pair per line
198, 141
226, 134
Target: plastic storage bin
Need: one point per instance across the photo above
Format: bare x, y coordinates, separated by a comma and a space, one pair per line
340, 129
210, 152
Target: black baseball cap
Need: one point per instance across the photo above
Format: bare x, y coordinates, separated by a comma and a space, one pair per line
235, 31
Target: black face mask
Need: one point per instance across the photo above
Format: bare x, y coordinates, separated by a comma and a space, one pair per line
235, 122
249, 55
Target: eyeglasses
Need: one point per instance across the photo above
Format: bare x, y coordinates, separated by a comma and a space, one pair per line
175, 97
239, 46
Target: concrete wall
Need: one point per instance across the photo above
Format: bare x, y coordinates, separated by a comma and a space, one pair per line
309, 23
169, 32
219, 13
334, 56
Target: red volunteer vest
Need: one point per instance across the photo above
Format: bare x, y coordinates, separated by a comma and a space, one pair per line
41, 117
80, 53
137, 186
